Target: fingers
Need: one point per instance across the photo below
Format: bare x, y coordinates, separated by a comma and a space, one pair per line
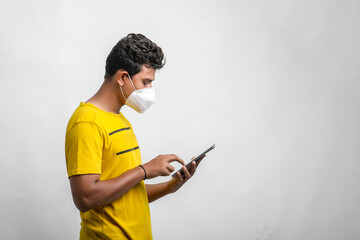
162, 167
203, 157
187, 174
165, 173
198, 161
193, 168
173, 158
170, 168
179, 177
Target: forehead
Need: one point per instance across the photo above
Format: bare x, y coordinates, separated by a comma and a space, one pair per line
146, 72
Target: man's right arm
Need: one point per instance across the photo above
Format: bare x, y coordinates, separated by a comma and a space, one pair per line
90, 192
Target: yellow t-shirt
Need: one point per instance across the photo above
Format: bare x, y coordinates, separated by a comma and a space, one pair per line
99, 142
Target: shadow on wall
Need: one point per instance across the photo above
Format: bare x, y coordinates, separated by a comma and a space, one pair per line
268, 232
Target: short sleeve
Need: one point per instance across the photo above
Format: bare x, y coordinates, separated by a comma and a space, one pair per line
83, 149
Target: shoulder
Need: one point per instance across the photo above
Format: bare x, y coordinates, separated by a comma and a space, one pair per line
84, 114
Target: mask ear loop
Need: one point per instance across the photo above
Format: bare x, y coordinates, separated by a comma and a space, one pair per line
122, 90
132, 82
123, 94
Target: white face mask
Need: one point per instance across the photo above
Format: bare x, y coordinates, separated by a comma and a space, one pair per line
140, 100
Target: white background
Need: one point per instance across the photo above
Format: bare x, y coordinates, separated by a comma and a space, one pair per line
275, 84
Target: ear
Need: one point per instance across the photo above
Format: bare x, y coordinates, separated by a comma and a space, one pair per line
120, 77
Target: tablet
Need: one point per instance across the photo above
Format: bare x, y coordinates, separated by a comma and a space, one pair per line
188, 166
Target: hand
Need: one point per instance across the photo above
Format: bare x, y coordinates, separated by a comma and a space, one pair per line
160, 166
177, 181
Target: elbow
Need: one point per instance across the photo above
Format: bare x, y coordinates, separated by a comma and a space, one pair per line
84, 204
82, 208
84, 192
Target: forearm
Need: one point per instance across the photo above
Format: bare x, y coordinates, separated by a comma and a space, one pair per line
90, 192
107, 191
156, 191
102, 192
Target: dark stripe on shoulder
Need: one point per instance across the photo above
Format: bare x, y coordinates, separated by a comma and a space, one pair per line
129, 150
119, 130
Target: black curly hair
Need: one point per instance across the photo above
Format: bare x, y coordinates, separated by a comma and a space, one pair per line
131, 52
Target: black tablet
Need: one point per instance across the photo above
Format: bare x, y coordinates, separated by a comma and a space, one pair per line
188, 166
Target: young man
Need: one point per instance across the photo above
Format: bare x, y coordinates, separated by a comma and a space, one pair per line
102, 155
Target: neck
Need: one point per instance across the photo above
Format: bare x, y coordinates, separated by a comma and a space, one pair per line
107, 98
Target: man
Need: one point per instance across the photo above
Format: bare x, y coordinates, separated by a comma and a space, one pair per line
102, 155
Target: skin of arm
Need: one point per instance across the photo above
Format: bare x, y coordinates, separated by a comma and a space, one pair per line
90, 192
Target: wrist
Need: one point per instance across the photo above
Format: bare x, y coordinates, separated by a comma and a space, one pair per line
145, 174
170, 186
